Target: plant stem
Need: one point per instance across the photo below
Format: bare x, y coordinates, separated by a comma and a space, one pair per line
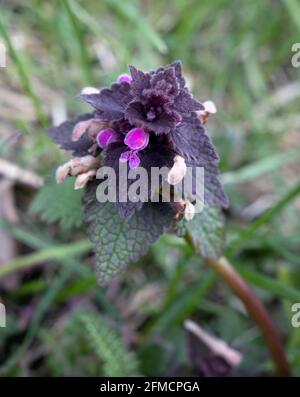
256, 310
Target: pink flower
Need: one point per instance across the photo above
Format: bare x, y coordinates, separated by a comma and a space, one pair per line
136, 140
124, 78
132, 158
107, 136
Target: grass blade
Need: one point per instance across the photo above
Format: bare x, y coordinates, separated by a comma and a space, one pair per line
261, 167
53, 253
23, 73
268, 284
82, 56
247, 233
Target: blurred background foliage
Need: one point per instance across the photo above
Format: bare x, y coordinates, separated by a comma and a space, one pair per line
59, 321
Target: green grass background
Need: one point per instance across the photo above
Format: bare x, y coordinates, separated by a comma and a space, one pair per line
237, 53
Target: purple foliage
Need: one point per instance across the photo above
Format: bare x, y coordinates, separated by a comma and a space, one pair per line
150, 118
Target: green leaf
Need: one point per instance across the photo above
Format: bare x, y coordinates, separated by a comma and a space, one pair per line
59, 202
207, 231
119, 241
109, 347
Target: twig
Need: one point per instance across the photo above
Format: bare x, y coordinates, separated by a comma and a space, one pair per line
216, 345
16, 173
8, 209
8, 246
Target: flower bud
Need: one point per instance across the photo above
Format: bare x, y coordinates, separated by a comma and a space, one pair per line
178, 171
124, 78
189, 211
209, 108
83, 164
77, 166
80, 128
62, 172
89, 91
82, 179
91, 126
95, 127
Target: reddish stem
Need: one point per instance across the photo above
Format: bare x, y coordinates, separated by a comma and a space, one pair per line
256, 310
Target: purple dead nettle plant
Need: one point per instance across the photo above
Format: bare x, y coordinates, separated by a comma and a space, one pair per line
145, 119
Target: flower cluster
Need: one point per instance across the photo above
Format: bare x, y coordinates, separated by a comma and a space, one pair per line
145, 120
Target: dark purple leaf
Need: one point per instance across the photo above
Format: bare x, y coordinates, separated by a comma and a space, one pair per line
191, 141
62, 135
111, 102
163, 124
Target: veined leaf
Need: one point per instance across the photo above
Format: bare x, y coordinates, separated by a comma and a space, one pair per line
59, 202
207, 231
119, 241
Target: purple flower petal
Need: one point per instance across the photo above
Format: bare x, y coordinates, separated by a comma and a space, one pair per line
124, 78
107, 136
137, 139
125, 156
132, 158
